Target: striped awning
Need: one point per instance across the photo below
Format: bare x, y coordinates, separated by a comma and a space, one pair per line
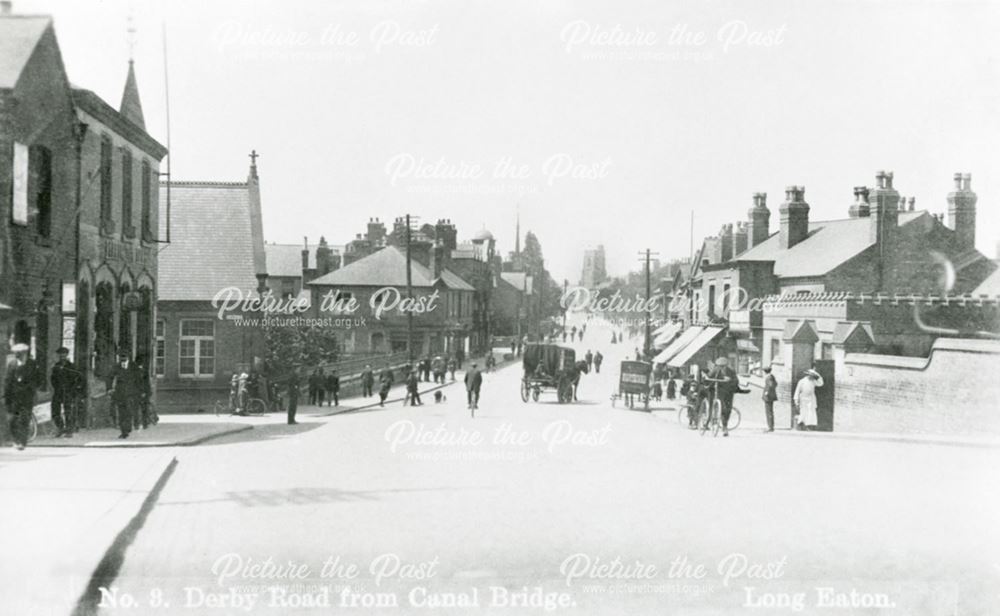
665, 334
676, 346
703, 338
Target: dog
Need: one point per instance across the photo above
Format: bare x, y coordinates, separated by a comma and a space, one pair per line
439, 397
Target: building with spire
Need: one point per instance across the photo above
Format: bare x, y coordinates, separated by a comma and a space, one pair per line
83, 202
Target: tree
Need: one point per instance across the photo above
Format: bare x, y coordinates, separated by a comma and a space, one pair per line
291, 346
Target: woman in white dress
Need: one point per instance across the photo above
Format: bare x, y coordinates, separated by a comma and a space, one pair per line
805, 398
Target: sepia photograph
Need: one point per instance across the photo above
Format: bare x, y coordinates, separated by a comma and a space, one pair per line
572, 307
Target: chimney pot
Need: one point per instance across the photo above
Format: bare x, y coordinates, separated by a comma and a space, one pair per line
967, 181
912, 203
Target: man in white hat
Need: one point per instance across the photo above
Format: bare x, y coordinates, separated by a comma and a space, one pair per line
19, 393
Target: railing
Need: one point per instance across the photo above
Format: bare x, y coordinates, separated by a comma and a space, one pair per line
355, 364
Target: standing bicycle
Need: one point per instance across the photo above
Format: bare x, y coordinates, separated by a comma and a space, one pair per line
725, 385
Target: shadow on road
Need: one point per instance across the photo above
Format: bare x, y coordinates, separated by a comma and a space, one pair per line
305, 496
263, 433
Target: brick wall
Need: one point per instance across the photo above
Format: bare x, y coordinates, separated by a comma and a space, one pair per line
954, 391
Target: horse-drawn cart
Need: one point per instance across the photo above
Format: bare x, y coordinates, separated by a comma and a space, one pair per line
547, 366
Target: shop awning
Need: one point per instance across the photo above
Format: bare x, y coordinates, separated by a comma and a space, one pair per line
676, 346
666, 334
703, 338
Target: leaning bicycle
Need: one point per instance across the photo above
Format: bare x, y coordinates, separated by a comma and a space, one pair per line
710, 412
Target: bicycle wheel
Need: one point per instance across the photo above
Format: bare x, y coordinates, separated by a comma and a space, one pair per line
525, 390
716, 416
703, 417
734, 419
257, 407
682, 413
32, 427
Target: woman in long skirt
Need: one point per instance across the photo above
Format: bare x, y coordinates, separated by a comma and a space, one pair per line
805, 399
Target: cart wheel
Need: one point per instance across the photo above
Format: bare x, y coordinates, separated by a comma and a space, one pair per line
534, 393
524, 391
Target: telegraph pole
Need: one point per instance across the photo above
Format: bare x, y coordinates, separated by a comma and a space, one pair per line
409, 294
647, 345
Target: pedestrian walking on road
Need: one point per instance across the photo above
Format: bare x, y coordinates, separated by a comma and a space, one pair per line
67, 384
293, 396
770, 396
412, 388
473, 384
451, 368
805, 399
460, 357
320, 387
126, 389
598, 360
19, 393
438, 368
333, 388
385, 380
144, 400
313, 386
589, 358
727, 386
367, 381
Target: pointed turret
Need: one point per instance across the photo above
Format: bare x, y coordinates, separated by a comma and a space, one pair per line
131, 108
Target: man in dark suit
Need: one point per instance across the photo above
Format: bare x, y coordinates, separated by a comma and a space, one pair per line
367, 381
19, 393
473, 382
728, 385
770, 395
66, 386
385, 380
293, 396
333, 387
126, 391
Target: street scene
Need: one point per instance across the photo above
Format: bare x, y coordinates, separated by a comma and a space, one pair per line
426, 308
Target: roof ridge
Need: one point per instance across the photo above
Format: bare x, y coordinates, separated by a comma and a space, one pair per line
205, 183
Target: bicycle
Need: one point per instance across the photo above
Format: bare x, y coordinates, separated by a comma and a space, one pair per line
711, 409
243, 405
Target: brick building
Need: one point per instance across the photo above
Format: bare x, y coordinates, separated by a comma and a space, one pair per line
216, 243
444, 329
885, 246
82, 252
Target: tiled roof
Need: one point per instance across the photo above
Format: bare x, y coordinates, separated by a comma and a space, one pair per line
211, 240
19, 35
829, 244
286, 259
387, 268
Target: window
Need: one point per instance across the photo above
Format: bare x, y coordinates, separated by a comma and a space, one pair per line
106, 215
40, 166
288, 287
826, 351
127, 229
725, 297
711, 300
147, 197
197, 347
775, 349
161, 348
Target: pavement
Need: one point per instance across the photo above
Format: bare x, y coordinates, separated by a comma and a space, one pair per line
416, 504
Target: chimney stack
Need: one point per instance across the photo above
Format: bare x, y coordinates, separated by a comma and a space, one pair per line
884, 209
962, 211
305, 253
726, 243
794, 217
912, 204
740, 239
860, 208
758, 227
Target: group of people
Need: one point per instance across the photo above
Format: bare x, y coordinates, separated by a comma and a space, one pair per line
698, 388
129, 391
321, 385
573, 331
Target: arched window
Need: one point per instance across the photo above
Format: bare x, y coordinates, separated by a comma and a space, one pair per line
124, 320
83, 326
144, 324
104, 325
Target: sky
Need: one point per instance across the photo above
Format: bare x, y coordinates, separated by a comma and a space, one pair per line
600, 122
